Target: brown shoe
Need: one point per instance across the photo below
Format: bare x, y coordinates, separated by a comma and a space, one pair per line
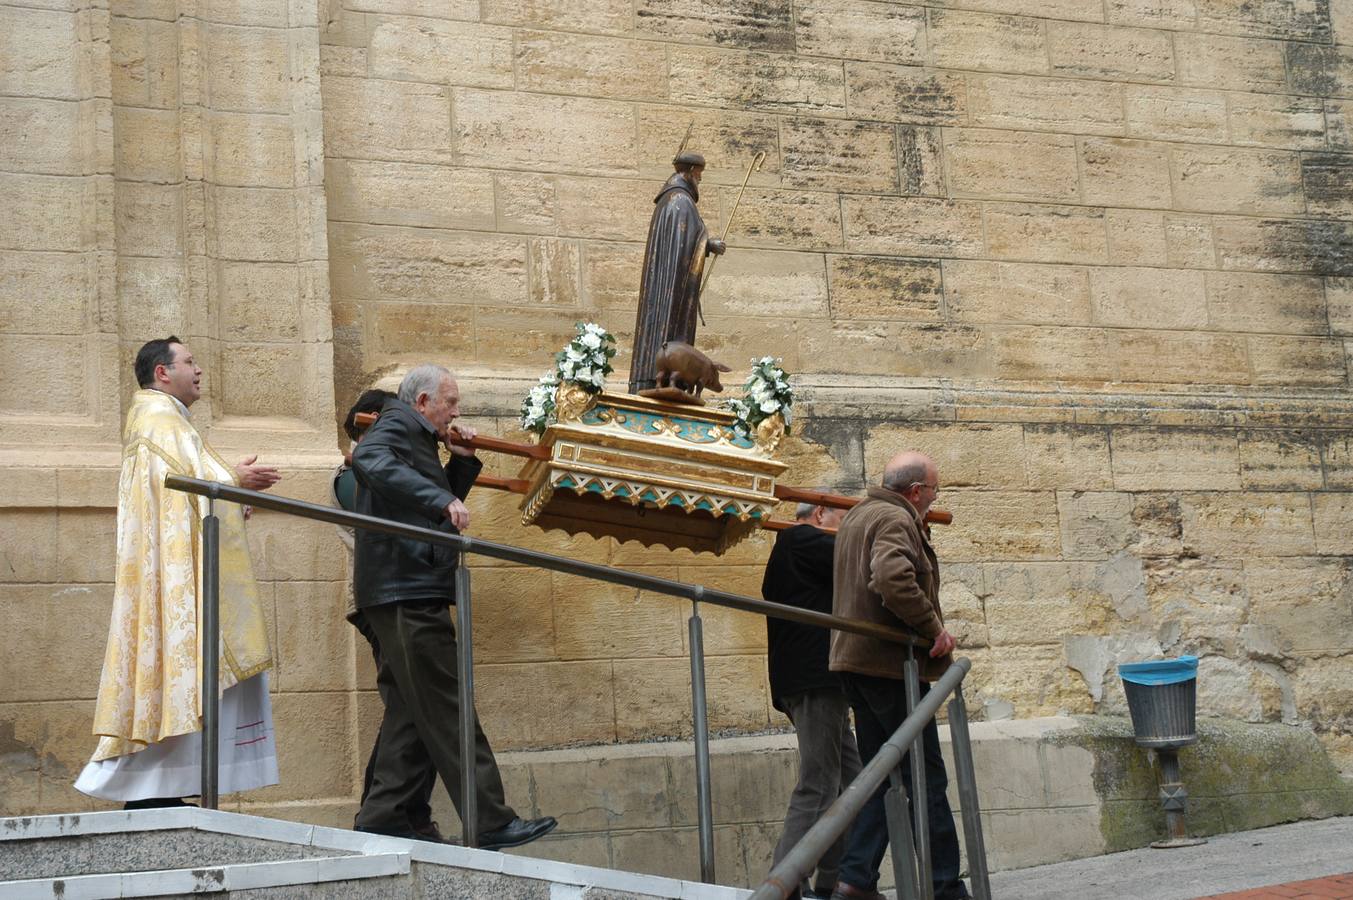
850, 892
429, 831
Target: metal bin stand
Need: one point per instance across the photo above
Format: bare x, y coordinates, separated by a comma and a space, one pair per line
1162, 699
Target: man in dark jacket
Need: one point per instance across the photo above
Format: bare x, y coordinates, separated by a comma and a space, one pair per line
403, 589
886, 572
343, 494
799, 573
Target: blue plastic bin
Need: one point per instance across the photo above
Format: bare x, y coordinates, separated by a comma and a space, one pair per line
1162, 698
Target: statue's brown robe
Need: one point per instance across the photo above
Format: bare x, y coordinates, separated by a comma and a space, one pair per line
669, 292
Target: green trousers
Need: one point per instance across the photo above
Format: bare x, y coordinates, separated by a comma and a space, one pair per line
418, 683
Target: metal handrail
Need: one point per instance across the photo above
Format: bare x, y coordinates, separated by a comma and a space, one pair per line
695, 593
652, 583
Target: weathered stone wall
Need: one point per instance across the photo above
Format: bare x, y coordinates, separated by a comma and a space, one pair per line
1096, 257
1092, 256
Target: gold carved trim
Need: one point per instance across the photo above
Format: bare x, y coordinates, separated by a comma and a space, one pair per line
571, 401
656, 480
670, 467
619, 439
691, 497
659, 407
769, 434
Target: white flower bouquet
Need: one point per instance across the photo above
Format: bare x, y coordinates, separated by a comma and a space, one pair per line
766, 393
585, 362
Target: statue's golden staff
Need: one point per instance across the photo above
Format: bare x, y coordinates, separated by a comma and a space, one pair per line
728, 224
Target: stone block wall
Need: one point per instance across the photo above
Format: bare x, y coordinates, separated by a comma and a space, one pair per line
1093, 257
1096, 256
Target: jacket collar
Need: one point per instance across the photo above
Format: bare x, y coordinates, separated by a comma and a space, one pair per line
896, 499
396, 404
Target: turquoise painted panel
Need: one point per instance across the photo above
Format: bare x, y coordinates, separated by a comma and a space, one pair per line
687, 429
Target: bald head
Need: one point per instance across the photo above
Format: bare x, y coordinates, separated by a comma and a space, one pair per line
913, 475
906, 468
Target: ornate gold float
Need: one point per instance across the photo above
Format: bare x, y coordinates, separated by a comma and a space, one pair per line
635, 468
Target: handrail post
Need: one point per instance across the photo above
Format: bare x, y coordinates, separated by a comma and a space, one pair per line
905, 874
211, 657
700, 720
919, 801
967, 795
469, 805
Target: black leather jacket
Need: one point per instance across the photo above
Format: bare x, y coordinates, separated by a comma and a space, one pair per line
400, 477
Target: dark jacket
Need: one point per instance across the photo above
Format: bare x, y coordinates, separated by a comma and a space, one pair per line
885, 571
400, 476
799, 573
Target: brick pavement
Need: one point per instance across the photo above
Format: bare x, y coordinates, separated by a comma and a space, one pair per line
1336, 887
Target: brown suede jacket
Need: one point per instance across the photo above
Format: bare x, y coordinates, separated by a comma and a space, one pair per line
885, 571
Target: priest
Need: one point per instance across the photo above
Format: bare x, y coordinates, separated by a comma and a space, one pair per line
674, 261
148, 717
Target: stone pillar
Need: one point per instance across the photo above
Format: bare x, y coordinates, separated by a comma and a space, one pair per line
161, 167
57, 305
221, 210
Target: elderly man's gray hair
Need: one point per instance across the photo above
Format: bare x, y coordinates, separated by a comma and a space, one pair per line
805, 510
424, 379
899, 478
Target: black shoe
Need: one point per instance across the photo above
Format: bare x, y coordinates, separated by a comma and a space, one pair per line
956, 890
158, 803
517, 832
407, 833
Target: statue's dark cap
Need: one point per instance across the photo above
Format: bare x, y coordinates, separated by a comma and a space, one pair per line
688, 159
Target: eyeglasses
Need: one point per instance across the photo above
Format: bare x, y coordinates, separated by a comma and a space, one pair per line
934, 488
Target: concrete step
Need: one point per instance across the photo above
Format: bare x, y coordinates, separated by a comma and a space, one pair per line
369, 875
146, 853
134, 851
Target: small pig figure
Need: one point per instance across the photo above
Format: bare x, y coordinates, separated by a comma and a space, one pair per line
683, 367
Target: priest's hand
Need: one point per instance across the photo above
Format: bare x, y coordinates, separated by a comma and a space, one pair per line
458, 514
255, 477
716, 246
461, 431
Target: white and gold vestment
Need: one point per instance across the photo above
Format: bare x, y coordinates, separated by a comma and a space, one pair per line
149, 711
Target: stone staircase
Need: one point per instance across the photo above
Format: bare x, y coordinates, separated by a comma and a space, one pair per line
171, 852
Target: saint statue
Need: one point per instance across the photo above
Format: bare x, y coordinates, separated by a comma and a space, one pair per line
674, 261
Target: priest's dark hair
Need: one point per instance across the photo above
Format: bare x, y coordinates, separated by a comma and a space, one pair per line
153, 353
370, 402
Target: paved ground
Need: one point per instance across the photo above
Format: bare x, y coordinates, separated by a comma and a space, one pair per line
1340, 886
1289, 856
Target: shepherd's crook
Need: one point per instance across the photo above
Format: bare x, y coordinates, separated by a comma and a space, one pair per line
728, 224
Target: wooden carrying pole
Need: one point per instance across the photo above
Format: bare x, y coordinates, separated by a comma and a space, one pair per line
534, 451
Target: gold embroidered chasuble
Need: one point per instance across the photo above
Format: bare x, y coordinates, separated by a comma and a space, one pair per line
150, 688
